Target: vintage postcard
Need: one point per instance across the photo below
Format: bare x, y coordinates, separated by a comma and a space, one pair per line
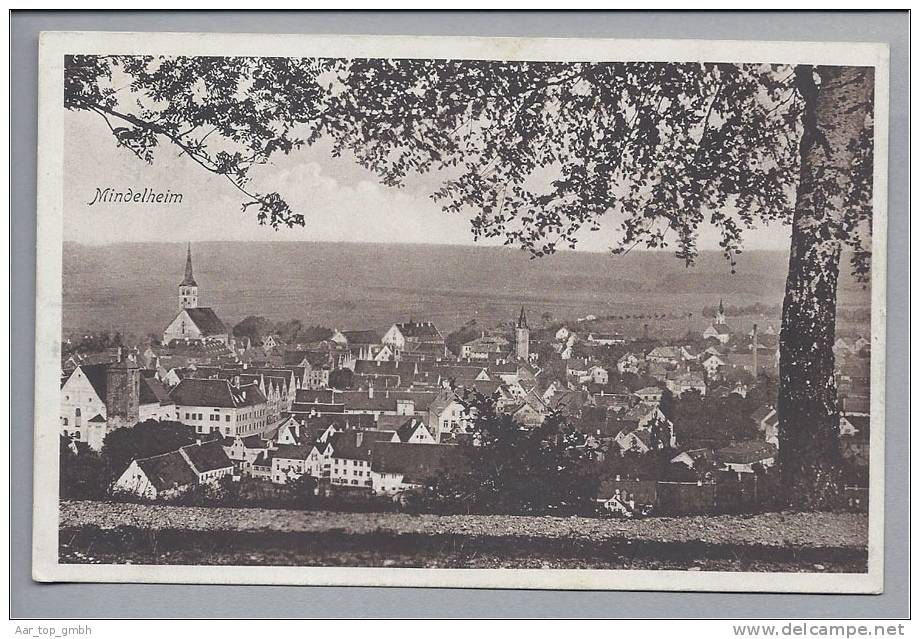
461, 312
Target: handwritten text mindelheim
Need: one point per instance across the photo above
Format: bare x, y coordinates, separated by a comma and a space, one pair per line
134, 196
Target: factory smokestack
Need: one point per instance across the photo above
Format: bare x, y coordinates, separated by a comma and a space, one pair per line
756, 348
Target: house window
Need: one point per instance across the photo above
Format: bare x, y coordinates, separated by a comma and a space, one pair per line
77, 418
65, 421
226, 418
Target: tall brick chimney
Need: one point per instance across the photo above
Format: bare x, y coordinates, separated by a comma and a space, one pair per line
756, 348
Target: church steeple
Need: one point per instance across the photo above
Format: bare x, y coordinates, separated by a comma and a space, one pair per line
189, 278
188, 288
720, 316
522, 319
522, 337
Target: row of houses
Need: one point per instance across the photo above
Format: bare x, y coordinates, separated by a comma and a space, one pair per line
98, 398
372, 461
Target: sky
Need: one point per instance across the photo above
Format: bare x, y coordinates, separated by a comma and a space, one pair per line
341, 201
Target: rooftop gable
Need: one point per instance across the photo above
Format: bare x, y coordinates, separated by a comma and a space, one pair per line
168, 471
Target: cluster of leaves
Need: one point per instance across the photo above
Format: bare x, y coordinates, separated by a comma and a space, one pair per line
533, 151
81, 471
654, 465
255, 327
92, 343
511, 469
297, 493
552, 366
228, 114
341, 378
223, 492
710, 422
456, 339
537, 151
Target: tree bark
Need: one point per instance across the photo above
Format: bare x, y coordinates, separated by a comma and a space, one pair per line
809, 455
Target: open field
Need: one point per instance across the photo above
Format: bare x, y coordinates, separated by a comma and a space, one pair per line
354, 286
100, 532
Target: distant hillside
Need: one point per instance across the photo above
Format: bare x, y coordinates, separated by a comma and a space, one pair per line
132, 287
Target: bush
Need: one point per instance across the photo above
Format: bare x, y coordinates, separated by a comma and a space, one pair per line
224, 492
81, 472
547, 469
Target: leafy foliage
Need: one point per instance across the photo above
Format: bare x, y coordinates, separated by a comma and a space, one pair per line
341, 378
223, 492
252, 327
710, 421
653, 465
461, 336
81, 469
146, 439
302, 491
515, 470
292, 331
92, 343
533, 152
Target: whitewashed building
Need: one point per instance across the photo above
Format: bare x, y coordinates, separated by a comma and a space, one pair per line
167, 475
215, 406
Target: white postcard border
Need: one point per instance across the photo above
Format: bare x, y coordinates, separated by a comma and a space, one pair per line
55, 45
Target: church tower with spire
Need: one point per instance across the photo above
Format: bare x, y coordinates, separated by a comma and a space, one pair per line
522, 337
194, 322
188, 289
720, 315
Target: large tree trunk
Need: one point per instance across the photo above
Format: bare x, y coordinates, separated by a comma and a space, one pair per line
835, 113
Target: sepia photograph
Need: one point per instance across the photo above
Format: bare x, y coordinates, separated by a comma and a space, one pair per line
520, 313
